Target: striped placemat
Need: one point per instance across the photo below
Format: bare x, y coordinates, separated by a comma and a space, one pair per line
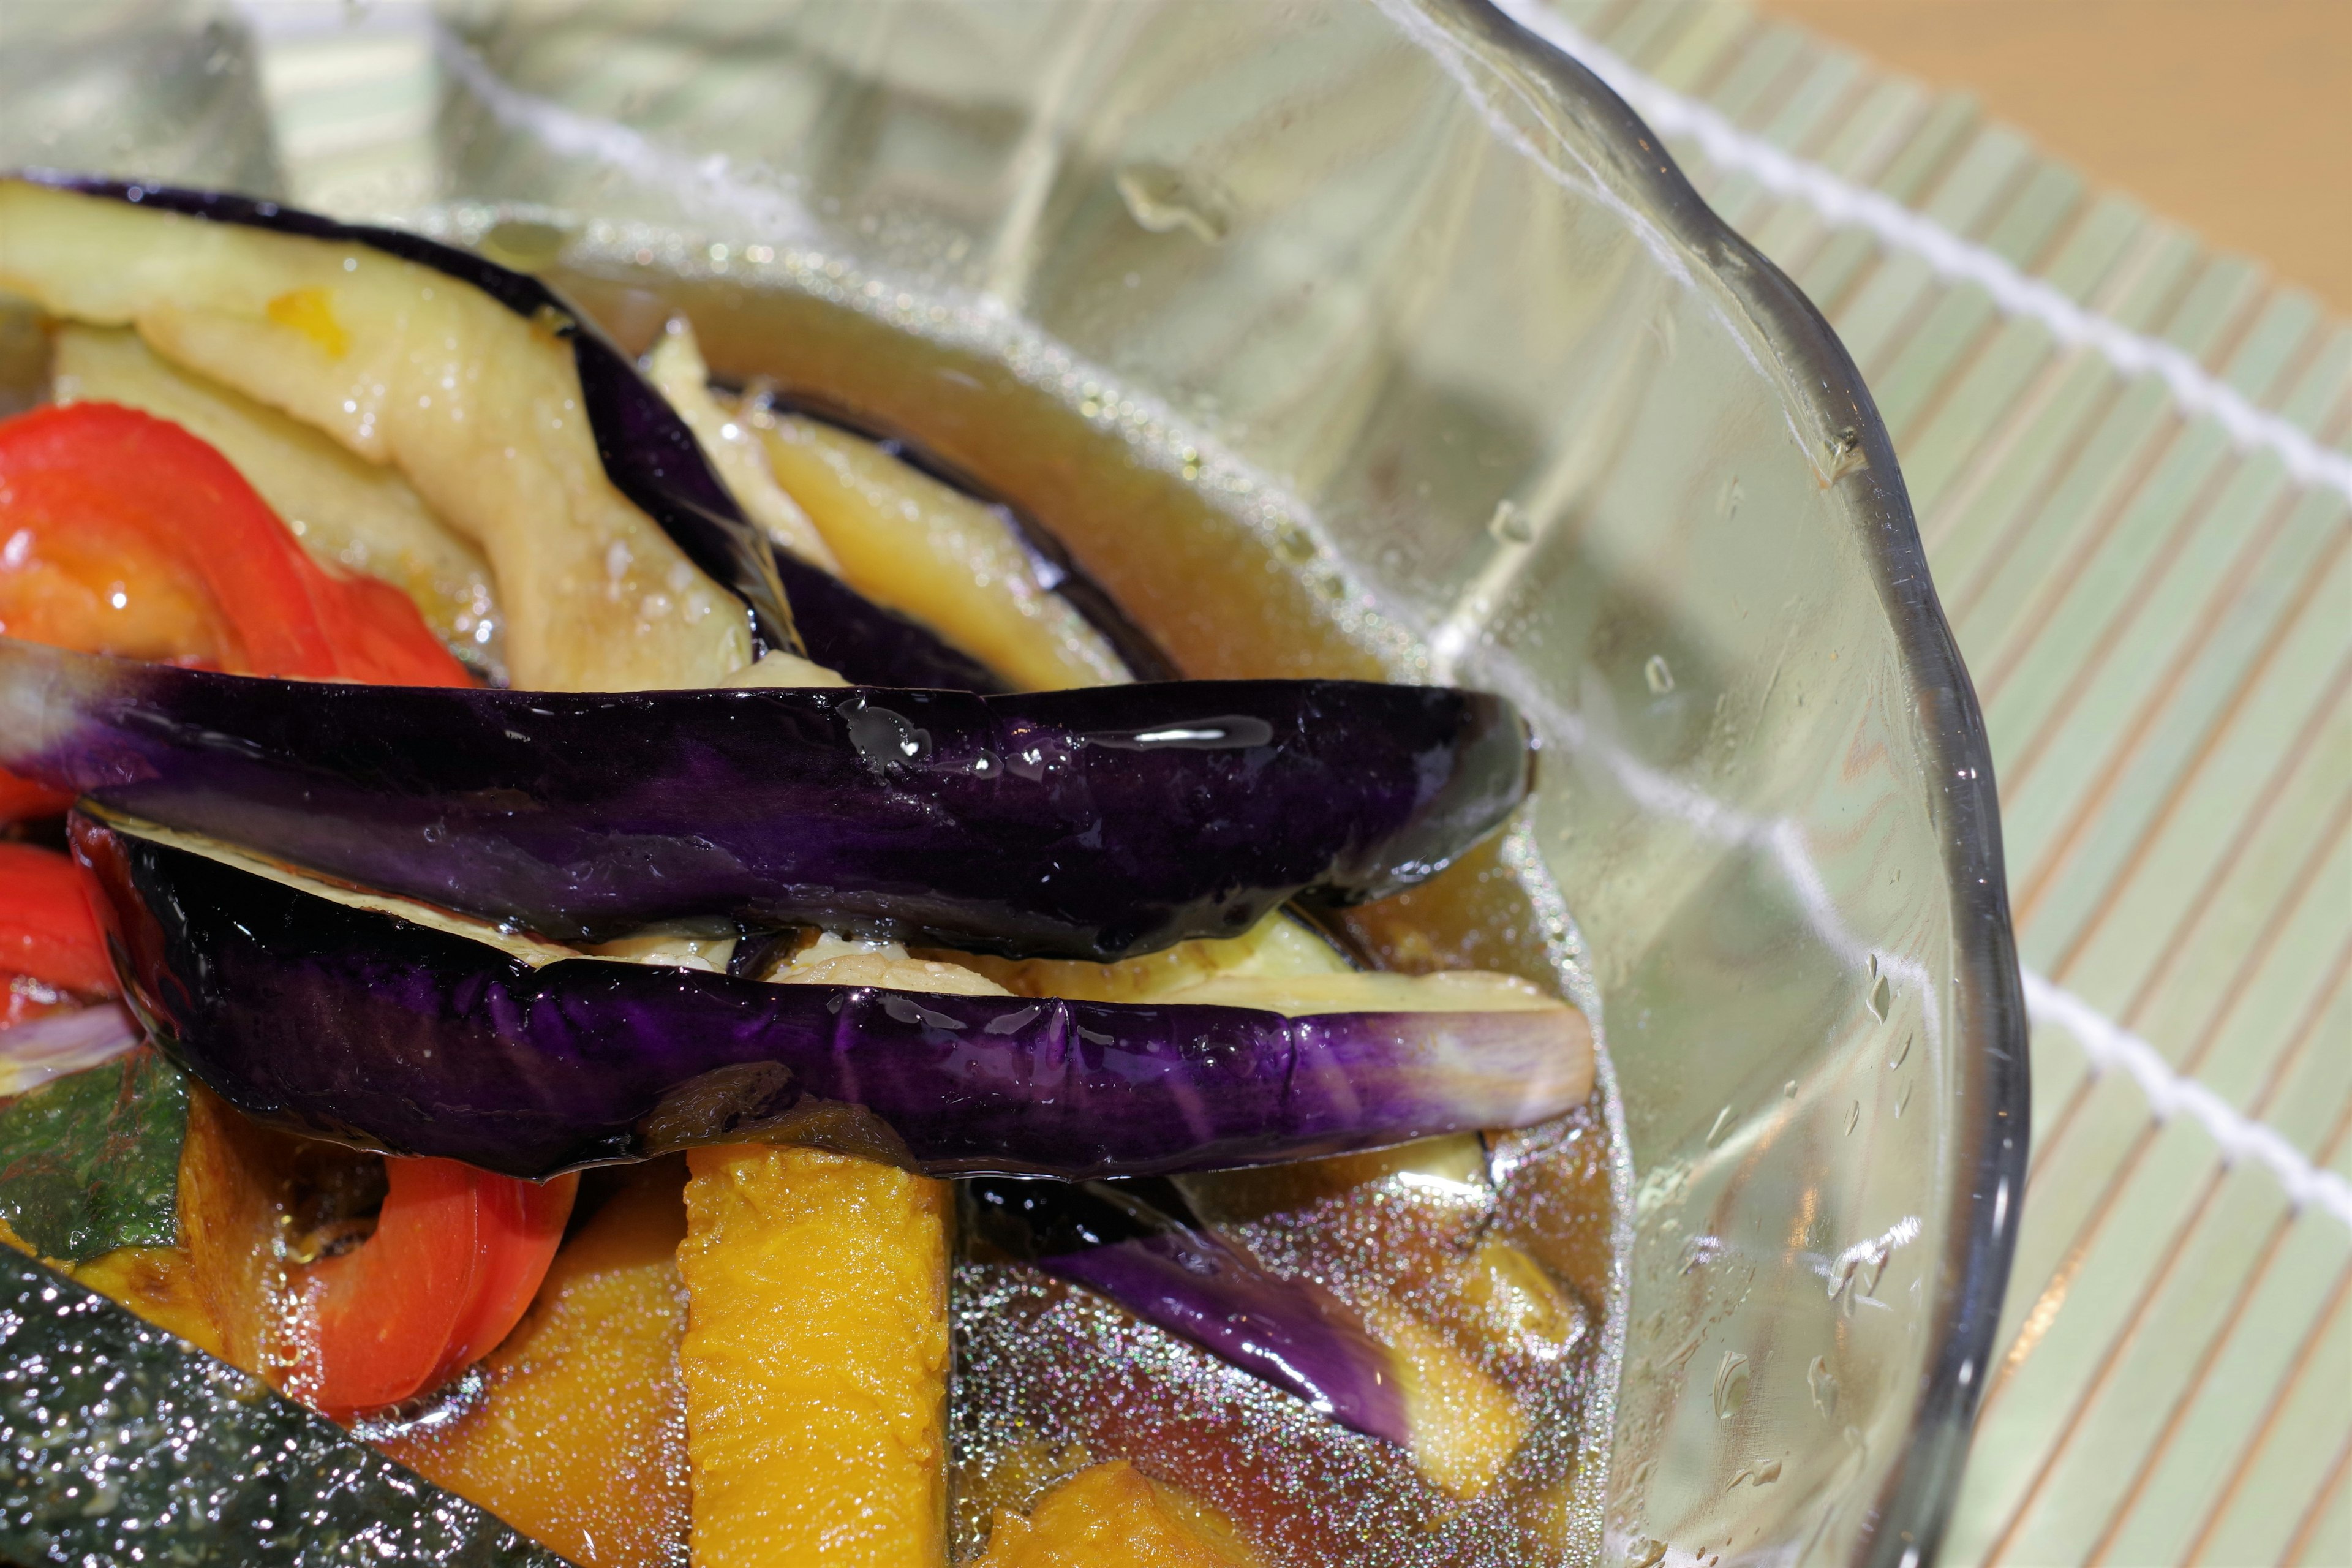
2125, 453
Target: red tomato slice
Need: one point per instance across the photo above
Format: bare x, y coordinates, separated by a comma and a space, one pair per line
22, 798
49, 925
127, 535
456, 1255
521, 1224
121, 533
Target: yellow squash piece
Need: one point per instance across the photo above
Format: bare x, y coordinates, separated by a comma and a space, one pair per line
580, 1443
1113, 1515
815, 1360
1465, 1426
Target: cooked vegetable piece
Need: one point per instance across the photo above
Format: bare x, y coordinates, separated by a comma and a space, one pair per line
449, 1046
22, 798
92, 1162
1113, 1515
68, 1039
1279, 966
1077, 824
846, 631
1138, 1245
358, 515
322, 320
675, 368
909, 542
481, 409
1278, 945
579, 1435
193, 1453
235, 1229
815, 1360
1465, 1426
128, 535
158, 1283
49, 928
24, 999
457, 1256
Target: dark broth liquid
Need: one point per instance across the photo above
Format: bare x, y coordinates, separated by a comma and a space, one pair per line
1049, 1378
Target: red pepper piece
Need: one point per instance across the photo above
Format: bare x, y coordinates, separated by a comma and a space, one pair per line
48, 924
121, 533
457, 1256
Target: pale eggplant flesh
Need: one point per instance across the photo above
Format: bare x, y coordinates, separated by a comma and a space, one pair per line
1093, 823
647, 451
1138, 1245
346, 1022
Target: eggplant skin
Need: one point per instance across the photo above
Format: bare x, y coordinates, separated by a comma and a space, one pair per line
1093, 823
649, 453
1138, 1245
344, 1023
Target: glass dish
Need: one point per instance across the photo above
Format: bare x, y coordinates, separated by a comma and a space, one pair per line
1391, 287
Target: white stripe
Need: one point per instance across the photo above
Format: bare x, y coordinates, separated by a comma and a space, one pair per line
2110, 1045
1844, 203
2107, 1043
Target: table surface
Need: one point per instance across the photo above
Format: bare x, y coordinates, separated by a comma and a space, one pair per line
2150, 576
2234, 117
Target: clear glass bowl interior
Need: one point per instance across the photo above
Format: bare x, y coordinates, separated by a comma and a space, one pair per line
1388, 287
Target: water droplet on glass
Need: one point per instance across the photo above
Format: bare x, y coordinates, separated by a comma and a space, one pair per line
1728, 503
1903, 1051
1844, 454
525, 245
1767, 1472
1663, 327
1731, 1380
1882, 999
1852, 1117
1661, 678
1789, 1090
1294, 543
1510, 523
1162, 199
1823, 1386
1722, 1120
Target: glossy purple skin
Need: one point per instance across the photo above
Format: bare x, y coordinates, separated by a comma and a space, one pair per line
344, 1023
1158, 1263
649, 453
1199, 1288
1085, 824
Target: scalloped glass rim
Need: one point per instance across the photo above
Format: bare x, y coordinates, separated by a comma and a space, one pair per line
1915, 1501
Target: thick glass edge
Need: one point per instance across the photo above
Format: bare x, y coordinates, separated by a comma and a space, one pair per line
1993, 1116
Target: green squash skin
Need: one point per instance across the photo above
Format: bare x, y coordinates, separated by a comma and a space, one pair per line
90, 1161
116, 1438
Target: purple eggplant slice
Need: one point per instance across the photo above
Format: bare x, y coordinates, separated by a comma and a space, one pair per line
1088, 824
1138, 1244
647, 451
342, 1021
